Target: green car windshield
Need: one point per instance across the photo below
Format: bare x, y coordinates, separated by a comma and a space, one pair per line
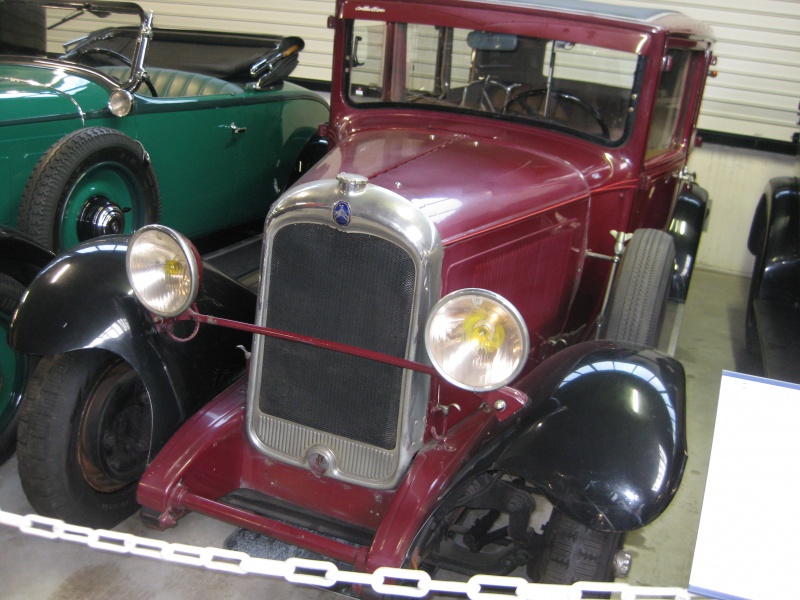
78, 32
585, 90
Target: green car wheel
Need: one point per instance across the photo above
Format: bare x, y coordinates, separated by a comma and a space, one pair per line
94, 181
12, 368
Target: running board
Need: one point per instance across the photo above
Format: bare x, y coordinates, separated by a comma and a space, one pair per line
240, 261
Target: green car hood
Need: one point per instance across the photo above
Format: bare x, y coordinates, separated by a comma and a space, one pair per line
35, 93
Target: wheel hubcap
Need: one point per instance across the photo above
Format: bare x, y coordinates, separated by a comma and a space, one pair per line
115, 431
100, 216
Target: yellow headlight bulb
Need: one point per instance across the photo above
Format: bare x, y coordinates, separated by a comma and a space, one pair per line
476, 339
482, 329
173, 267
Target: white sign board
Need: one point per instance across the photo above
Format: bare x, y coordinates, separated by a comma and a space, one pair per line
748, 542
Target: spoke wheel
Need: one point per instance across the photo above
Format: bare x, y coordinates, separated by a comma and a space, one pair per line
84, 438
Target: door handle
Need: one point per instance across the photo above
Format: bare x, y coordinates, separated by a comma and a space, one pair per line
236, 129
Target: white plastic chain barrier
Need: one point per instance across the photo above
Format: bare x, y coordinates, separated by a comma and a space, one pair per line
396, 582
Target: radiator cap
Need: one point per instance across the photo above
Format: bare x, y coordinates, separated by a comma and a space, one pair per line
351, 184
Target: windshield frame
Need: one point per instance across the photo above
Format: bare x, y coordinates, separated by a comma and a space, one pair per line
99, 10
391, 80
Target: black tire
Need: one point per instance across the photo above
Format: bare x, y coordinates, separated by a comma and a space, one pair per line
573, 552
639, 295
567, 551
84, 438
12, 368
93, 181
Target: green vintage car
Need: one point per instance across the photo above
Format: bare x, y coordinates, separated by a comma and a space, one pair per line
131, 124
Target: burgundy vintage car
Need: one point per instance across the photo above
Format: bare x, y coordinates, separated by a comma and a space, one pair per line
451, 361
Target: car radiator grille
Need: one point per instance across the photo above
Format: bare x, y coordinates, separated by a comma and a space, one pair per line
351, 288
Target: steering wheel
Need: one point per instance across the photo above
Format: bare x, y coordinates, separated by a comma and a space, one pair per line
531, 111
79, 53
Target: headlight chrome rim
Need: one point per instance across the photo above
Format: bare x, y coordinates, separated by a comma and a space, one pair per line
515, 318
181, 247
120, 103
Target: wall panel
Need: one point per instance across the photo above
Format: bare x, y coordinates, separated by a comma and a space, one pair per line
757, 89
306, 18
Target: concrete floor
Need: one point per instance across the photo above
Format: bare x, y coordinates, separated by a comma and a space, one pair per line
711, 340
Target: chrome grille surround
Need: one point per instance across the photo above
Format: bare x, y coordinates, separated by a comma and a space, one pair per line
383, 214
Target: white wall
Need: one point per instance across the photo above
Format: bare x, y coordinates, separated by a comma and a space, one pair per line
735, 179
306, 18
758, 49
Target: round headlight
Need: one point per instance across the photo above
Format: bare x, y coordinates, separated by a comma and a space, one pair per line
120, 103
477, 340
163, 270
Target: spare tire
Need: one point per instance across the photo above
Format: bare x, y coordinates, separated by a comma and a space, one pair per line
93, 181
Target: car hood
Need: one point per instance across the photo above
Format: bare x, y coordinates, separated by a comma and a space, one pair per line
33, 92
463, 184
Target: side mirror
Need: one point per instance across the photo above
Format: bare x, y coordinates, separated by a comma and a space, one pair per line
276, 65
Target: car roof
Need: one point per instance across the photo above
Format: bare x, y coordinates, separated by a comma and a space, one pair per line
631, 13
630, 17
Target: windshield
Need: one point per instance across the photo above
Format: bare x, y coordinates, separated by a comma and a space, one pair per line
582, 89
52, 28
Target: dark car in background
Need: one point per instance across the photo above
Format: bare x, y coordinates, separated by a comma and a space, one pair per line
772, 323
129, 125
451, 364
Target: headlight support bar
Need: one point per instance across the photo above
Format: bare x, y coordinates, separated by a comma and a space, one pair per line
163, 324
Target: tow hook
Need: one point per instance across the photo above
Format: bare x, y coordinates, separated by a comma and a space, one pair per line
622, 564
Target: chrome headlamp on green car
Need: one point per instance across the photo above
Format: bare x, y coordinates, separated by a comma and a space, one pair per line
164, 270
120, 103
477, 340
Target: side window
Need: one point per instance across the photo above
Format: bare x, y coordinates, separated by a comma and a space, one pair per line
670, 109
366, 62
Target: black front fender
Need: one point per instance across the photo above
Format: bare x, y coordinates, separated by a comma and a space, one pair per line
605, 436
83, 300
688, 222
774, 240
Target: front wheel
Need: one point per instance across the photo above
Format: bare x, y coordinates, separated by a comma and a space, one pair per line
573, 552
93, 181
84, 438
484, 526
